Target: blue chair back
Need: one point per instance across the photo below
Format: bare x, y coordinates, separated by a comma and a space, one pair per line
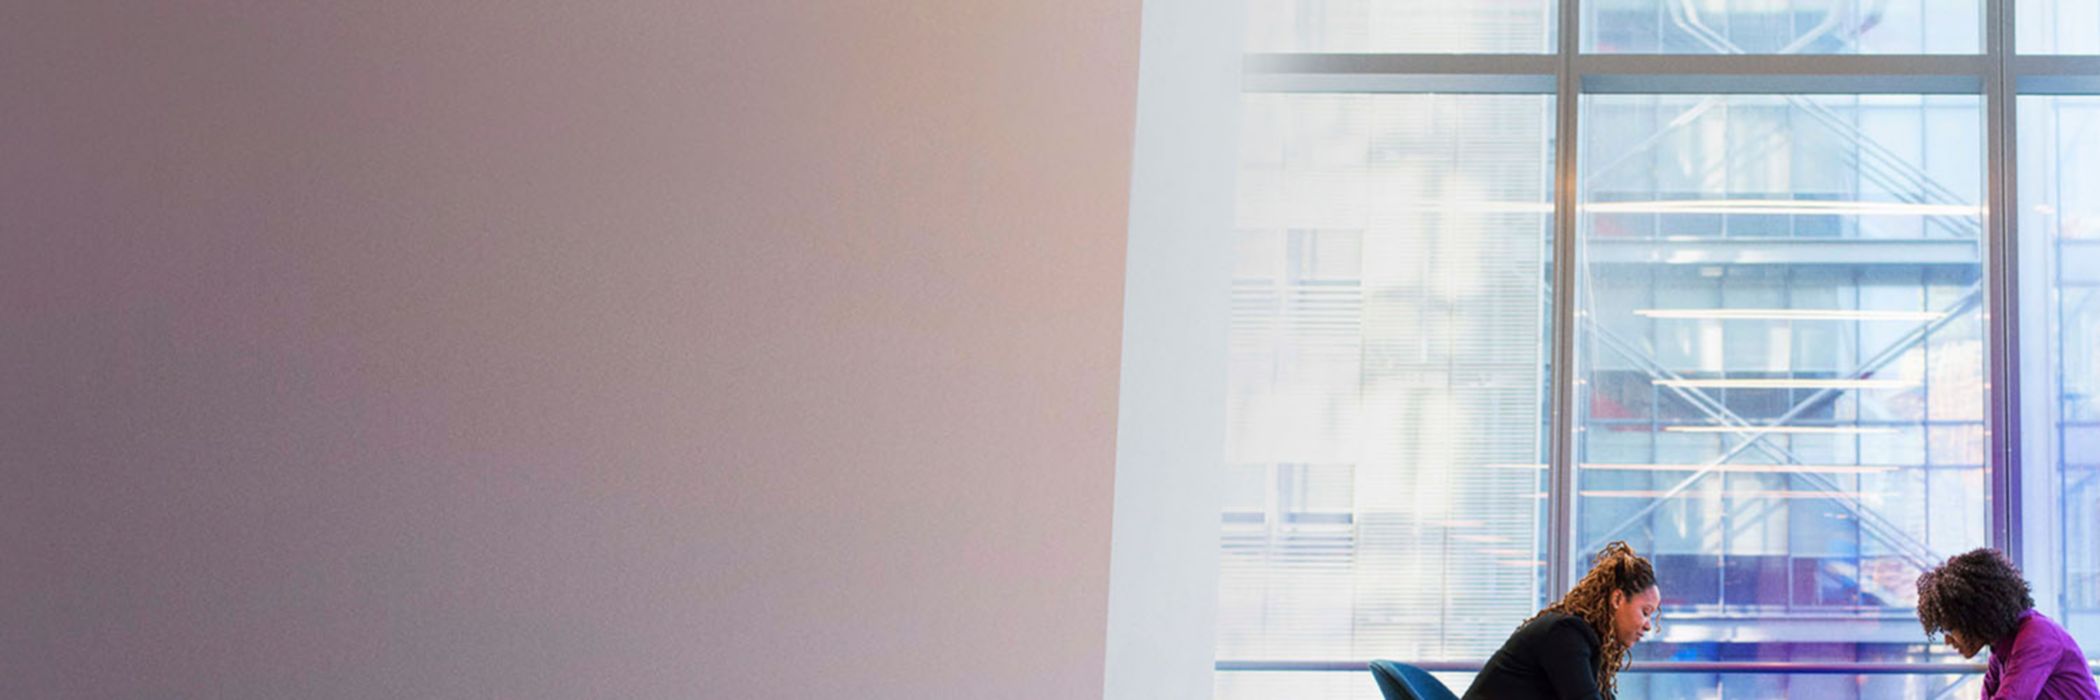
1403, 682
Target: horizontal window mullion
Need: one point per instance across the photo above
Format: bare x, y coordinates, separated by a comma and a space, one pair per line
1779, 84
1754, 65
1763, 667
2054, 84
1945, 75
1482, 84
1762, 74
2056, 65
1615, 74
1401, 64
1652, 64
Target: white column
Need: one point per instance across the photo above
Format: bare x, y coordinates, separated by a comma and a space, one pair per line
1170, 447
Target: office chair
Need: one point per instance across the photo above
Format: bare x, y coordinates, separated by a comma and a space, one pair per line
1403, 682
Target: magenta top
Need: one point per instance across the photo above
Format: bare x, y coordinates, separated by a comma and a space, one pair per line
2038, 661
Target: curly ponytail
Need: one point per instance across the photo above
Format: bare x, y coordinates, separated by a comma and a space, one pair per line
1616, 568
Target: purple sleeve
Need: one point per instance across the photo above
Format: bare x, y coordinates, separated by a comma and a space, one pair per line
2032, 659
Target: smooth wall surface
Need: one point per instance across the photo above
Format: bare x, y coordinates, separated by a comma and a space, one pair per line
558, 350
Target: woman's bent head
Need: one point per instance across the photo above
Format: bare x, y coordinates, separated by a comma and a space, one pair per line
1619, 598
1975, 598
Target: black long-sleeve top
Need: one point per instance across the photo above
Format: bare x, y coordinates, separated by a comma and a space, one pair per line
1553, 657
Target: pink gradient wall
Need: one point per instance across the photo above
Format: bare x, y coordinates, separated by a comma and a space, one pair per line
529, 349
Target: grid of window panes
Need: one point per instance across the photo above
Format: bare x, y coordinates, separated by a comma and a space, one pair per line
1781, 343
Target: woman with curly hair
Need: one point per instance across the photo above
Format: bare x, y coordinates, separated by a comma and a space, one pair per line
1978, 599
1574, 649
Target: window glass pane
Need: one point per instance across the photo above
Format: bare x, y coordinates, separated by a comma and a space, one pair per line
1401, 26
2060, 259
1781, 360
1387, 381
2058, 26
1783, 26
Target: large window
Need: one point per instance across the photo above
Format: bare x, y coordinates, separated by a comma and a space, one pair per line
1785, 250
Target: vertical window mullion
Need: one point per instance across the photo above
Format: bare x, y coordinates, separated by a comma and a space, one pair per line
2002, 265
1561, 478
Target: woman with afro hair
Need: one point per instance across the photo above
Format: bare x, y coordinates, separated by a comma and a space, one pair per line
1978, 599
